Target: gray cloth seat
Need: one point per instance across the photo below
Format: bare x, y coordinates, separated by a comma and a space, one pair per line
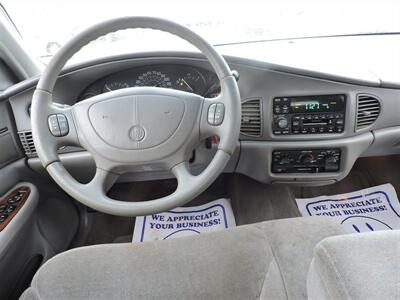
356, 266
268, 260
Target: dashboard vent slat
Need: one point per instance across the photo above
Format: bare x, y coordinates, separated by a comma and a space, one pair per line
368, 110
251, 118
27, 143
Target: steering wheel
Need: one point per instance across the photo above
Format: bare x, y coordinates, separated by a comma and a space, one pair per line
132, 127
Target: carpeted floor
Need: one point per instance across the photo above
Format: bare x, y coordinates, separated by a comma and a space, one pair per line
251, 201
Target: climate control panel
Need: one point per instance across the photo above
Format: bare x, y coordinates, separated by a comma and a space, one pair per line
306, 161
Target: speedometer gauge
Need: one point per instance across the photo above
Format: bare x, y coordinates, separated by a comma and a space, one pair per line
154, 79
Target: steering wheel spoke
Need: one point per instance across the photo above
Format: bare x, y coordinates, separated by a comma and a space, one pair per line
103, 180
182, 174
55, 125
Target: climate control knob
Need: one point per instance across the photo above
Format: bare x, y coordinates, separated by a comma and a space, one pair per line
307, 159
331, 163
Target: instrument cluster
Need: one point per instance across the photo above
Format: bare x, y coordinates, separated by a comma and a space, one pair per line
179, 77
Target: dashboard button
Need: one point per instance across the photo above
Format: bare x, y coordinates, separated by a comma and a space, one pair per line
339, 121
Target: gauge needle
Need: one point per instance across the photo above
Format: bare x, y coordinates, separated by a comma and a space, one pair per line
184, 81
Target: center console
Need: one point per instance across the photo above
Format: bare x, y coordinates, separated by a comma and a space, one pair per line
324, 114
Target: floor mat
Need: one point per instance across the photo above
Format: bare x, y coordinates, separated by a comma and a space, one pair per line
370, 209
184, 221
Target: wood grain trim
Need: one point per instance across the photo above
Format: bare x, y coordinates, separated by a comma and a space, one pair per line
25, 192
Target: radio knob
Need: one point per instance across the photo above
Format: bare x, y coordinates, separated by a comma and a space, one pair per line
282, 123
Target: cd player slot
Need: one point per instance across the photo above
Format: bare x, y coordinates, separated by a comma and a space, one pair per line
314, 123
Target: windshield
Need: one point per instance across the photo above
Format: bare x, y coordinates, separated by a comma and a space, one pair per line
46, 25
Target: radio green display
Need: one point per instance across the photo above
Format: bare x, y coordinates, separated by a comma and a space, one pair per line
323, 105
315, 105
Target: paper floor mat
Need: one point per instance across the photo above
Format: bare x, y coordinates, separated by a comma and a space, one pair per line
185, 221
372, 209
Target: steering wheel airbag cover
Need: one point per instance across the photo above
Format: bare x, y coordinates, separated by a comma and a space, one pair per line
138, 120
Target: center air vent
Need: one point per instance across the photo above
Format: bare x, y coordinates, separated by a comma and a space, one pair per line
251, 118
27, 142
368, 109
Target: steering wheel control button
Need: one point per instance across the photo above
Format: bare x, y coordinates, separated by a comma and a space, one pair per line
219, 114
2, 208
211, 113
63, 124
53, 125
216, 113
58, 125
137, 133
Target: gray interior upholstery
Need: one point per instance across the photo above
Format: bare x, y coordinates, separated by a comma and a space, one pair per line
268, 260
357, 266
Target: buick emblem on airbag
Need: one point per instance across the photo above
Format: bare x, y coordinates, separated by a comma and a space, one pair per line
137, 133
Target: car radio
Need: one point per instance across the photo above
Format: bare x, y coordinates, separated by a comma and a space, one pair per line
309, 114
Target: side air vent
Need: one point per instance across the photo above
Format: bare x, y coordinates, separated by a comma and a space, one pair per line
27, 142
251, 118
368, 109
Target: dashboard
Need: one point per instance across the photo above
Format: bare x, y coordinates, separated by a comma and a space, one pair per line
297, 127
179, 77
